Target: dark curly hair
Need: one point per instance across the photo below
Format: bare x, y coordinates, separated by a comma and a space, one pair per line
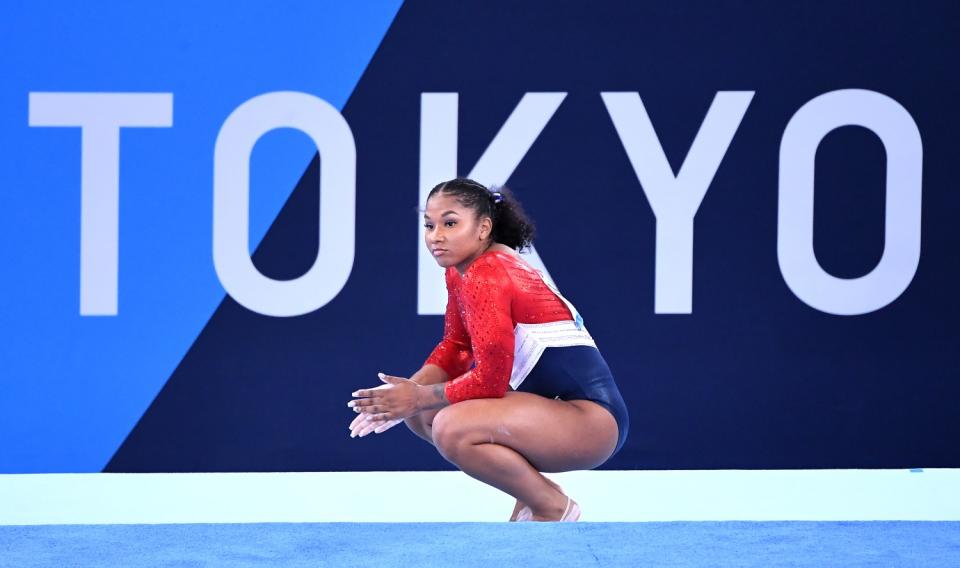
511, 226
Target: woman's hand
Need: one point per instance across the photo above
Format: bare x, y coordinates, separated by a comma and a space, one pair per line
365, 424
430, 395
399, 400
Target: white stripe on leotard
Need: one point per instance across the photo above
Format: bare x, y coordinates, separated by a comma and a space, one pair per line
531, 339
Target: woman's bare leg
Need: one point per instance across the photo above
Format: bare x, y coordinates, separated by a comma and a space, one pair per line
422, 424
507, 442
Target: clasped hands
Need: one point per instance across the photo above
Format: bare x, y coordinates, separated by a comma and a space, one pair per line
383, 407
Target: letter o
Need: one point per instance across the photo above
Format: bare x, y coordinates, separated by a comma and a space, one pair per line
901, 253
231, 203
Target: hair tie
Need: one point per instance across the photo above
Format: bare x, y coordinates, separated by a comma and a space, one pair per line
497, 197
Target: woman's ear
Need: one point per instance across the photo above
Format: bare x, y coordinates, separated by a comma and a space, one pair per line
486, 227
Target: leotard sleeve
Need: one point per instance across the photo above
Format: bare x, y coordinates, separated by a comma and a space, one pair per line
486, 293
454, 353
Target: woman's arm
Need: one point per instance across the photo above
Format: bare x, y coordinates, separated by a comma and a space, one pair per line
432, 379
381, 408
454, 353
487, 296
430, 374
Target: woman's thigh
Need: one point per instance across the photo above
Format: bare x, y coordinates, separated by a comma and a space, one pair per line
553, 435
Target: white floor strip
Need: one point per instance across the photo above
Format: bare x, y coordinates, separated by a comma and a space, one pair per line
930, 495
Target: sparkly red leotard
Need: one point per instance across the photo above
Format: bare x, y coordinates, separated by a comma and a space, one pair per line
497, 292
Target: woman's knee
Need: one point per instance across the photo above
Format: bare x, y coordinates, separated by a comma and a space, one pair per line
422, 424
449, 434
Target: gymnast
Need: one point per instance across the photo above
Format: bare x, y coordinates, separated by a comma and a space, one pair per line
516, 386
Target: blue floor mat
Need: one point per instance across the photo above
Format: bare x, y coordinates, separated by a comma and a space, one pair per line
487, 545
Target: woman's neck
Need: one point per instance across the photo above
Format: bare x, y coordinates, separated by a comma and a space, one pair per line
463, 266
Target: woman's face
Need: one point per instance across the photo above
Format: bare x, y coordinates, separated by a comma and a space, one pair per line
453, 234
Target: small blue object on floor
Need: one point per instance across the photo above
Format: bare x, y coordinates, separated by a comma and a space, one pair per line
486, 544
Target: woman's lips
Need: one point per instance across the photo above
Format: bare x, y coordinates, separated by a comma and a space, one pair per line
438, 252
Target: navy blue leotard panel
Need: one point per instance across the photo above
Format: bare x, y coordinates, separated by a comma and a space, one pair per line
579, 373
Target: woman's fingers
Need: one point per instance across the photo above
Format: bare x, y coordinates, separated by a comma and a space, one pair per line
362, 427
370, 407
368, 398
365, 404
386, 426
378, 413
390, 379
365, 424
372, 392
375, 427
369, 426
358, 421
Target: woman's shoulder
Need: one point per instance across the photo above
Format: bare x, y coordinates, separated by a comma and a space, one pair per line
492, 265
509, 261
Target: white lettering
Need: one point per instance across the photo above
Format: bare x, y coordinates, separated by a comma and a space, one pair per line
100, 116
675, 199
231, 199
901, 253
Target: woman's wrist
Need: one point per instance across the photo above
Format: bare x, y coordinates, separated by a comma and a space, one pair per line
430, 397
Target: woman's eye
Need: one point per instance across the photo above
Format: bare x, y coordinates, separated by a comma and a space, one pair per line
427, 226
450, 223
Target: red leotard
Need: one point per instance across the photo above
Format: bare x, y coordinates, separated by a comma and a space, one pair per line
498, 291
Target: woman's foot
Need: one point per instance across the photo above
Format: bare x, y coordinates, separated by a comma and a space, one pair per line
520, 505
571, 514
516, 510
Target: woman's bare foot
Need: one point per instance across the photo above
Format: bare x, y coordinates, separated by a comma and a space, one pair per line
520, 505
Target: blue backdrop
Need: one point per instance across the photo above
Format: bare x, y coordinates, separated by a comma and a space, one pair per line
184, 378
